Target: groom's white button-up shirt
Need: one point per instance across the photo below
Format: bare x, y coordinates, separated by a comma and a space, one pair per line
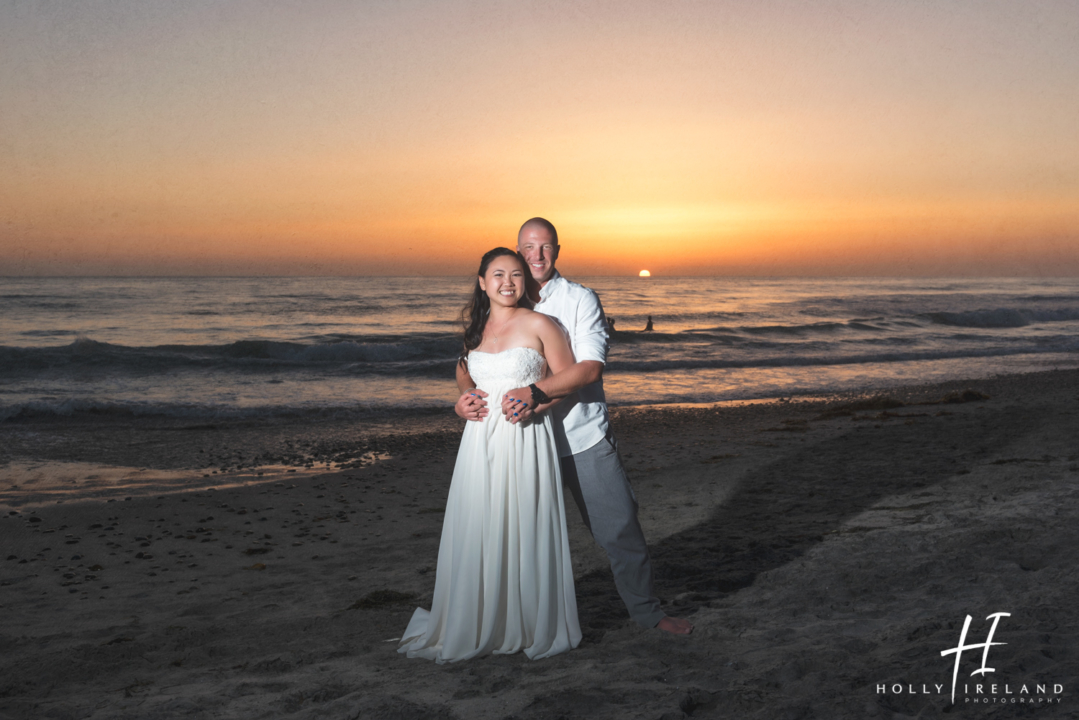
581, 418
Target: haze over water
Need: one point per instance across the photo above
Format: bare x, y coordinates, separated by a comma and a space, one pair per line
220, 348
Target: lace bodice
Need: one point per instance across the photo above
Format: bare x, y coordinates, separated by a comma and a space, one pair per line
516, 367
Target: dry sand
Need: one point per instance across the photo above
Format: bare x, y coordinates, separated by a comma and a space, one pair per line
821, 551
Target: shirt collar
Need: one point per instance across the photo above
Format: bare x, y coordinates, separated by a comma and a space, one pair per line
547, 289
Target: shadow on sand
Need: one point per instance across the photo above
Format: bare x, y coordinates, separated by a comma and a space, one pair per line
783, 509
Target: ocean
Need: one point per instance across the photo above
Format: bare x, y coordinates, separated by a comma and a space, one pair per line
221, 348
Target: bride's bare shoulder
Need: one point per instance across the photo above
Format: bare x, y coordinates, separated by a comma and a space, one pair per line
537, 321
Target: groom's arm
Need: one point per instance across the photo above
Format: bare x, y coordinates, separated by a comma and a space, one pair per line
570, 380
556, 387
590, 345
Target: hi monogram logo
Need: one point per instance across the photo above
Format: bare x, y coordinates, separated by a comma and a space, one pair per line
963, 647
1008, 690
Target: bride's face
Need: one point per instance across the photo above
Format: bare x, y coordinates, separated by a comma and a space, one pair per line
504, 281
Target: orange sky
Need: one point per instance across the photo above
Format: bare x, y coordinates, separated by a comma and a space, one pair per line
688, 138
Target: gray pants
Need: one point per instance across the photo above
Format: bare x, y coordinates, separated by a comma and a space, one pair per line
609, 508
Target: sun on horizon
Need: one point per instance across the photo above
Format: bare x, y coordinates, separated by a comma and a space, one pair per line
644, 273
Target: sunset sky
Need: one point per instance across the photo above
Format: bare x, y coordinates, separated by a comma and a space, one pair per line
718, 138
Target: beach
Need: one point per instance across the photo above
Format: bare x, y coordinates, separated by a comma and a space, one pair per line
827, 257
827, 550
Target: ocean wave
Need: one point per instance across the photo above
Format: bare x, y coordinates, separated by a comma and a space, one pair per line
1001, 317
82, 408
1048, 298
433, 354
810, 328
803, 360
338, 352
241, 355
731, 334
646, 338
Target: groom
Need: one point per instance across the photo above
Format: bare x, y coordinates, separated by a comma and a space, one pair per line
591, 466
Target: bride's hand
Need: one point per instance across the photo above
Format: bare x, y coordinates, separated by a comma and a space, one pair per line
471, 405
514, 407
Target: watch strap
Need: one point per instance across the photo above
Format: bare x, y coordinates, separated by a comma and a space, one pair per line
538, 396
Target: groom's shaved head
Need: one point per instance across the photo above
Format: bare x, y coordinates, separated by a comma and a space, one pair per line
537, 241
538, 223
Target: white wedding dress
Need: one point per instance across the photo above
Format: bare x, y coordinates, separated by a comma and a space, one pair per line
504, 581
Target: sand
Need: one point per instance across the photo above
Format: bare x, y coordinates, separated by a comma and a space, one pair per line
823, 549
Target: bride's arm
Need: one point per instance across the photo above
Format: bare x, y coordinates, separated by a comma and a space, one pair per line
563, 372
464, 379
555, 346
471, 405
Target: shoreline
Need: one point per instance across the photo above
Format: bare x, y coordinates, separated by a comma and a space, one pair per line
189, 449
664, 386
820, 548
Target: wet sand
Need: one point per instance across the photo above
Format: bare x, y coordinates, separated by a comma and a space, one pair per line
822, 549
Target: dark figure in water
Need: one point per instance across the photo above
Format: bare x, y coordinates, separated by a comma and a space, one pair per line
610, 324
648, 327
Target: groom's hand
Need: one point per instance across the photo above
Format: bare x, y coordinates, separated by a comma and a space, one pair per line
516, 405
471, 405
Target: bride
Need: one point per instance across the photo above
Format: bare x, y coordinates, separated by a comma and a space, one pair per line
504, 581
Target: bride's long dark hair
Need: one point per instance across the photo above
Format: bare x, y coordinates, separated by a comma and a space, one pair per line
474, 314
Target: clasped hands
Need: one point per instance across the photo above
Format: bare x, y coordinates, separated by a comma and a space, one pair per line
515, 405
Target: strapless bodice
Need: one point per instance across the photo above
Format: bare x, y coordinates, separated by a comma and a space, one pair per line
516, 367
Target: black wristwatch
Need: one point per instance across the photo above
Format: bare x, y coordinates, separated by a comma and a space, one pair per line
538, 396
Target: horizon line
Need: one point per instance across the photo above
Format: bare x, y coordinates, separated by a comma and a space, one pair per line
653, 276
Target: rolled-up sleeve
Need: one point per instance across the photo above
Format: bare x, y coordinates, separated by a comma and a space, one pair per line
590, 339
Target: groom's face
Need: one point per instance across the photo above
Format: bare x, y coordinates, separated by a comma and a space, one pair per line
539, 251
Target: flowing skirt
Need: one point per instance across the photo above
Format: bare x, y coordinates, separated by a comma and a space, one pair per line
504, 581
